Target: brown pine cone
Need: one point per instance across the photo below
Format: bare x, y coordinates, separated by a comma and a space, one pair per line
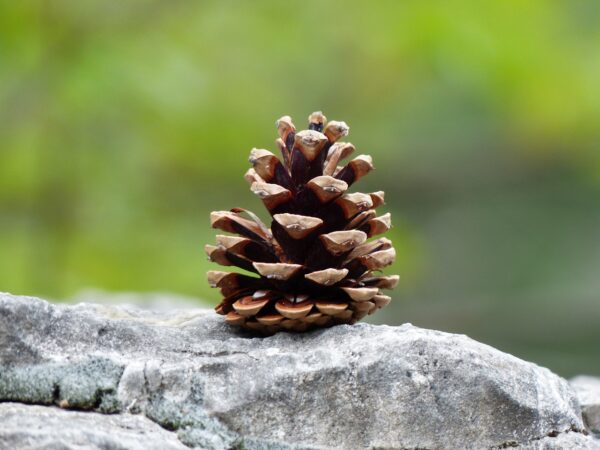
314, 267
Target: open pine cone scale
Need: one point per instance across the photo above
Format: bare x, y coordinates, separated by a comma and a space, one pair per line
314, 266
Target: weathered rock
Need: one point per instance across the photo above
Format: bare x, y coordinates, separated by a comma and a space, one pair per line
348, 387
565, 441
588, 392
40, 427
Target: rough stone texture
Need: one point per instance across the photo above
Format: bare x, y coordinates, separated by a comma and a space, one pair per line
347, 387
39, 427
588, 392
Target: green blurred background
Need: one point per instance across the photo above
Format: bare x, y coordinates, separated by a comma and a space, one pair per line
123, 124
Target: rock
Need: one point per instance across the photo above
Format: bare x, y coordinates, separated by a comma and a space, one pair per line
588, 392
32, 426
347, 387
566, 441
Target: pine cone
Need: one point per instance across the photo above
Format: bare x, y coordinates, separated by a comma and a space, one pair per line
315, 266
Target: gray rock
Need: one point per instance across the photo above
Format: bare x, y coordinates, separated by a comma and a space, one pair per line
348, 387
26, 427
588, 392
565, 441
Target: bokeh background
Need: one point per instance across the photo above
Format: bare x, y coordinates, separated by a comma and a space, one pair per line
123, 124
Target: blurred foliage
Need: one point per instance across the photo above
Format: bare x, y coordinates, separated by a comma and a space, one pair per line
124, 123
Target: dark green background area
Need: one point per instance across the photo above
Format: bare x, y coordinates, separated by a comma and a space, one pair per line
123, 124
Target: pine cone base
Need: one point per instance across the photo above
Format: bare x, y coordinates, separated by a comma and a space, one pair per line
316, 315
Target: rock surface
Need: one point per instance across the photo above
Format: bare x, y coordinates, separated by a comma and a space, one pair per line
588, 393
211, 387
32, 426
